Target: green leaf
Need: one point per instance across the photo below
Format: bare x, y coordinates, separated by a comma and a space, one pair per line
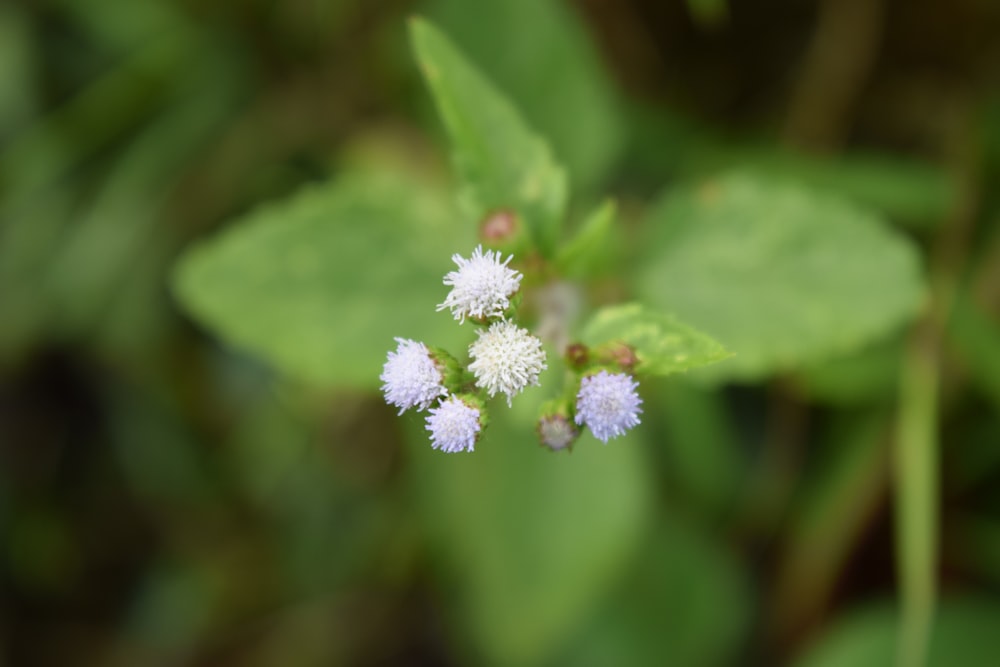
781, 275
975, 338
554, 75
589, 249
528, 540
501, 163
964, 633
662, 344
319, 285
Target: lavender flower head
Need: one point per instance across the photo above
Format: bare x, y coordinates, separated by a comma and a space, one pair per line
411, 378
454, 426
506, 359
608, 404
481, 287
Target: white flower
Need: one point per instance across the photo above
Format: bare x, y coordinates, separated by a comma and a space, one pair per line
608, 404
556, 432
506, 359
411, 377
454, 426
482, 286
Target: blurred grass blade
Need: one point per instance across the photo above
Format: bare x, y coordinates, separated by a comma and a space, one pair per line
835, 507
916, 470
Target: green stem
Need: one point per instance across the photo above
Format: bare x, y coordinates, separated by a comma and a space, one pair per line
916, 491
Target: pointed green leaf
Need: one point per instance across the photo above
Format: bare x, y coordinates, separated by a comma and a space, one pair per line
501, 162
662, 344
318, 285
781, 275
554, 74
589, 249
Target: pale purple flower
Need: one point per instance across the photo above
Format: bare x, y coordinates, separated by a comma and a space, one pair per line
608, 404
454, 425
411, 378
481, 287
506, 359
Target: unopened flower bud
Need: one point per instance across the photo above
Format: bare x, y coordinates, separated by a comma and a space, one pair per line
500, 228
618, 354
577, 355
557, 431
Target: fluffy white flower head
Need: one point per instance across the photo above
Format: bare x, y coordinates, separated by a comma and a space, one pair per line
608, 404
506, 359
481, 287
412, 379
454, 426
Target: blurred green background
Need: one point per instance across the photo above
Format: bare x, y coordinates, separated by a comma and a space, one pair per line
170, 496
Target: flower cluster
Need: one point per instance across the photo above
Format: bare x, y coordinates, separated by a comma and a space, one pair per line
506, 358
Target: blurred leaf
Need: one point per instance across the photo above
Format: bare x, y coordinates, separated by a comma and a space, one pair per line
662, 344
588, 250
320, 284
781, 275
975, 542
709, 13
834, 508
705, 456
18, 90
502, 164
863, 376
173, 609
529, 539
540, 53
906, 190
909, 191
105, 110
975, 336
686, 601
964, 633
